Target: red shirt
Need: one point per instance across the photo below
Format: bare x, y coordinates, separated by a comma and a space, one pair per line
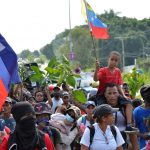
48, 143
105, 76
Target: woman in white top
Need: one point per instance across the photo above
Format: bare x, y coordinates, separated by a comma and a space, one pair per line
103, 138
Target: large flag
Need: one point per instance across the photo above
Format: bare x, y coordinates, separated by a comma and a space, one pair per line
8, 69
98, 28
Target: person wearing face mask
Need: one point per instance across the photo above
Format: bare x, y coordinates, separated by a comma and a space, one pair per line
25, 136
43, 114
68, 128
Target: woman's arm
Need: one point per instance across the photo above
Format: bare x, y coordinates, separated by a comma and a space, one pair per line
119, 148
83, 147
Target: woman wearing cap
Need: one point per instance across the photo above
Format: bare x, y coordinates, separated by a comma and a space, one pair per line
68, 128
103, 137
43, 114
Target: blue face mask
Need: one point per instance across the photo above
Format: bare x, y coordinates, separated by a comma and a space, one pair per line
42, 121
69, 118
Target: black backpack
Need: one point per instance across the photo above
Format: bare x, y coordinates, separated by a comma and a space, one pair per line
40, 143
92, 132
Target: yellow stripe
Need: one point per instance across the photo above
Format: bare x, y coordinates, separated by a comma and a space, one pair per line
83, 9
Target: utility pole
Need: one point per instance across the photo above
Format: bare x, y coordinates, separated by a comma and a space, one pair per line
71, 54
123, 52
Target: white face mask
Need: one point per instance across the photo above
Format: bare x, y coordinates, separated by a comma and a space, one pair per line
69, 118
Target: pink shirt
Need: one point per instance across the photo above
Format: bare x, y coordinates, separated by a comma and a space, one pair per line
105, 76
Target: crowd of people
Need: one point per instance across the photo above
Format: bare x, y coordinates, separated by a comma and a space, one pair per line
51, 119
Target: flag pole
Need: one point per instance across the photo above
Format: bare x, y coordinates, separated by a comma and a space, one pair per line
93, 42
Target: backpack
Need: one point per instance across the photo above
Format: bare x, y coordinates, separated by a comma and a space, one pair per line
83, 119
92, 132
40, 143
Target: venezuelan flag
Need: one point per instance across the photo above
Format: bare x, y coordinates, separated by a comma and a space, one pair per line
99, 29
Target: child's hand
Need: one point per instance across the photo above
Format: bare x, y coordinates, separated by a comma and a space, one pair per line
97, 64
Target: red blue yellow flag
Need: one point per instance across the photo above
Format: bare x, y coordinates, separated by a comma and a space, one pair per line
98, 28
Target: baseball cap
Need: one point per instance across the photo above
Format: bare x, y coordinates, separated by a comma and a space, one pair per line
89, 103
76, 110
8, 99
104, 109
65, 94
42, 108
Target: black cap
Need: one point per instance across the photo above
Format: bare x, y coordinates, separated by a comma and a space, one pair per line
56, 88
145, 92
20, 109
104, 109
42, 108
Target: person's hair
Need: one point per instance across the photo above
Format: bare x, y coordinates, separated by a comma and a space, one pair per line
99, 119
38, 92
110, 85
145, 93
136, 102
115, 53
62, 109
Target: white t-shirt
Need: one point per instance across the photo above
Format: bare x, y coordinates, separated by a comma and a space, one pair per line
56, 103
99, 140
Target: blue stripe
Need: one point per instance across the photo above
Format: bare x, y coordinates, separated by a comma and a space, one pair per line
9, 64
94, 20
4, 74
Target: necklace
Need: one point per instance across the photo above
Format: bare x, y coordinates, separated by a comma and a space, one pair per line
104, 135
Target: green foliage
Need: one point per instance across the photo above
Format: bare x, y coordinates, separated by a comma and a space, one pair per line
25, 54
47, 50
79, 96
38, 76
22, 71
135, 80
56, 72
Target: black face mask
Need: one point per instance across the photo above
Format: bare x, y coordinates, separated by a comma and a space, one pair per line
27, 124
25, 134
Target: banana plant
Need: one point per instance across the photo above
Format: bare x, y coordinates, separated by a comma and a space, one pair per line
58, 72
135, 80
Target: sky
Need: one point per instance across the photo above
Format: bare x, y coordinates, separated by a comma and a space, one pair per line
31, 24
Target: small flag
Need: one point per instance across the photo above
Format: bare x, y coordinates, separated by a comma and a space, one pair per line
98, 28
8, 69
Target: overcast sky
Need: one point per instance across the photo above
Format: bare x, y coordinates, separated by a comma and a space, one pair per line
31, 24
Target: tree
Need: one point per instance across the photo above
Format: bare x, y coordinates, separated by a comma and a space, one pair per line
47, 50
25, 54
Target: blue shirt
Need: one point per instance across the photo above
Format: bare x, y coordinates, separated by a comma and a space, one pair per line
140, 115
9, 122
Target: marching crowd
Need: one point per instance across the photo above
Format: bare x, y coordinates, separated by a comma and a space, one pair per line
51, 119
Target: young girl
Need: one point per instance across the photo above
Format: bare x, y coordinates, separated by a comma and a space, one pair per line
109, 74
112, 74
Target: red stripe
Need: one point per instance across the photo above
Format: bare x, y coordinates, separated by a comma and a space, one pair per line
3, 93
99, 33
